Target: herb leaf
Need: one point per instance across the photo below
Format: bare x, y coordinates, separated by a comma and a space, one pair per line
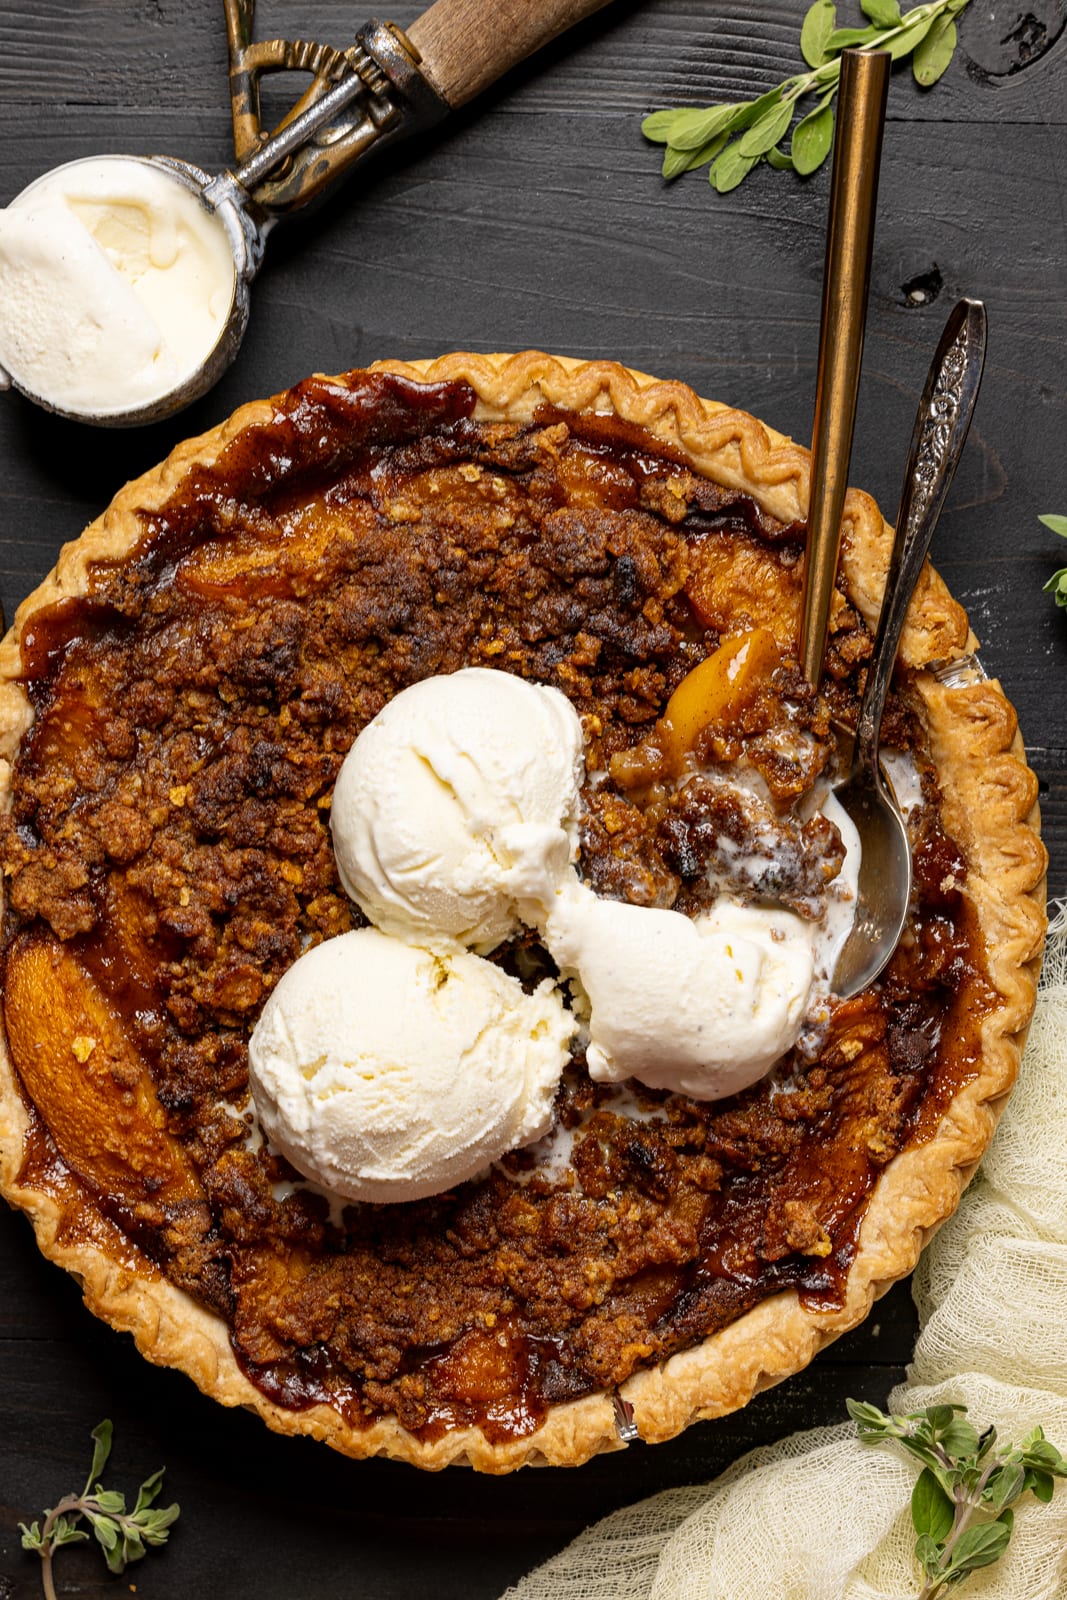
676, 161
910, 36
979, 1547
961, 1502
122, 1535
101, 1437
731, 168
705, 126
812, 139
883, 13
1056, 586
933, 54
765, 134
850, 39
819, 24
931, 1507
695, 136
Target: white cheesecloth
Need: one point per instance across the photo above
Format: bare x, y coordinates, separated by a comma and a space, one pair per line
824, 1517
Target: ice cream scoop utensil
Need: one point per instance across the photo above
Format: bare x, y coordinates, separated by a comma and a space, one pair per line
885, 875
384, 85
846, 275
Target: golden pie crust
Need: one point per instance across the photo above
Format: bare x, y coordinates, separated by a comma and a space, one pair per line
989, 807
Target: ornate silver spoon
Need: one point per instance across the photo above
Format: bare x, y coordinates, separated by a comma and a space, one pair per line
885, 874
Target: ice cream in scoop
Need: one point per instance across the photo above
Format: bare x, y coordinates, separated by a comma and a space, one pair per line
116, 281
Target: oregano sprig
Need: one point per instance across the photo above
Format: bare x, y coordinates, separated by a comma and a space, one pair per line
123, 1535
1057, 584
737, 137
962, 1500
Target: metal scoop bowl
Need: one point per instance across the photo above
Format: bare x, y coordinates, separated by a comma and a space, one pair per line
387, 84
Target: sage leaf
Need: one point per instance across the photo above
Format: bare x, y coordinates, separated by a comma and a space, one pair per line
658, 126
979, 1547
1004, 1487
1042, 1485
705, 126
960, 1438
675, 162
110, 1501
66, 1532
106, 1531
731, 168
812, 139
849, 38
116, 1558
871, 1423
132, 1545
931, 1507
933, 54
101, 1437
819, 24
902, 44
1045, 1454
765, 134
757, 109
928, 31
154, 1524
148, 1491
122, 1535
883, 13
928, 1554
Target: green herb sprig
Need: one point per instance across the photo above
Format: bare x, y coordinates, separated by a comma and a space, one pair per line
1057, 584
735, 138
962, 1500
123, 1535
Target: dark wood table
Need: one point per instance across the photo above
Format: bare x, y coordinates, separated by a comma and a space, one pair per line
538, 218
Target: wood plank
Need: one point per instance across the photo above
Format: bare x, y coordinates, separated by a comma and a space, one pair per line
633, 57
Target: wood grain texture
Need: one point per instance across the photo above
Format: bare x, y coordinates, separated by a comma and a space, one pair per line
464, 48
537, 217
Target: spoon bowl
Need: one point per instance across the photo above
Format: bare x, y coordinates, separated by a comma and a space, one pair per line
883, 891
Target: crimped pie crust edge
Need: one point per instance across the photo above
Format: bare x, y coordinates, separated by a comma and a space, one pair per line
976, 747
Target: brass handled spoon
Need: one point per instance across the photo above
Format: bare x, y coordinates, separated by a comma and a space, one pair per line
885, 875
846, 276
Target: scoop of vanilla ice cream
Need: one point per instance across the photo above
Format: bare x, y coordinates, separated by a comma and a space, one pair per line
455, 813
116, 282
386, 1072
72, 329
701, 1006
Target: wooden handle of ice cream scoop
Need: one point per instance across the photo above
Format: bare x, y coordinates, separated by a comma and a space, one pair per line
466, 45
